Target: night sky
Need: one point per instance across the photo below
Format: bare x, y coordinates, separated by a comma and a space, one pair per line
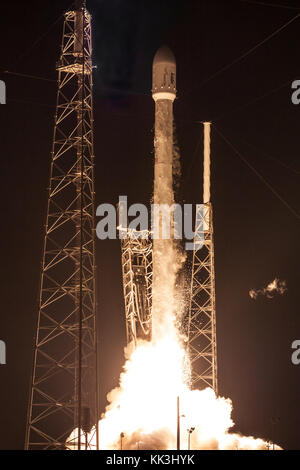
256, 233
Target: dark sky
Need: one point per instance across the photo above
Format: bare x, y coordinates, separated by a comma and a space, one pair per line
256, 235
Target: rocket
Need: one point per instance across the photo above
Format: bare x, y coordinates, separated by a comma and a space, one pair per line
163, 93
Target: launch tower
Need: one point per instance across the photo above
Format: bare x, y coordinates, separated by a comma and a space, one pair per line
63, 388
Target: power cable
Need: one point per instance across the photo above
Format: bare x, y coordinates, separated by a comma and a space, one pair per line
271, 157
41, 37
262, 179
274, 5
220, 117
29, 76
241, 57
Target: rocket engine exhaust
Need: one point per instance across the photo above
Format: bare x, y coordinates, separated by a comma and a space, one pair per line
141, 413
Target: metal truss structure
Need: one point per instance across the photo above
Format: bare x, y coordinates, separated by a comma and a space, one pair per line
63, 390
202, 313
136, 250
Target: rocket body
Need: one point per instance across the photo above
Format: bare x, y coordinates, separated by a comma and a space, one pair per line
163, 93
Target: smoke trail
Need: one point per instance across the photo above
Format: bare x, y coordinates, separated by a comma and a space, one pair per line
274, 287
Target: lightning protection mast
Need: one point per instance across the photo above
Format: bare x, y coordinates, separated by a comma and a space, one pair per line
202, 342
63, 389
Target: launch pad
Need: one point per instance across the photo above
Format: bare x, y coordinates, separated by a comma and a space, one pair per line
63, 403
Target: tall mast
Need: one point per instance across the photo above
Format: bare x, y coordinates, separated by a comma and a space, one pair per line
63, 388
202, 342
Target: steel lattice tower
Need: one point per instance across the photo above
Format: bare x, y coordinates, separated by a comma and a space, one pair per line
202, 342
63, 392
136, 248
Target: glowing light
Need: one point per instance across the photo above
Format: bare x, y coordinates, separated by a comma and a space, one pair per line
143, 407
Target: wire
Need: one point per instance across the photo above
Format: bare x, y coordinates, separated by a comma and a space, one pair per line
29, 76
267, 184
41, 37
31, 103
270, 156
252, 49
270, 4
249, 103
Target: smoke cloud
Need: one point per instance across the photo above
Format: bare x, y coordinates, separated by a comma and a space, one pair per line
142, 410
273, 288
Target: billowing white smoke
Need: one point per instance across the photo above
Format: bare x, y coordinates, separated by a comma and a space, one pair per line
274, 287
143, 409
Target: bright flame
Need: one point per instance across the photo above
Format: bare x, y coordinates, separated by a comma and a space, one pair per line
143, 407
142, 410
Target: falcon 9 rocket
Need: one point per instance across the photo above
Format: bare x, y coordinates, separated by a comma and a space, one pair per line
163, 93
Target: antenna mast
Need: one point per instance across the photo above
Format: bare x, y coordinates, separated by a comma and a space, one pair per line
63, 389
202, 341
